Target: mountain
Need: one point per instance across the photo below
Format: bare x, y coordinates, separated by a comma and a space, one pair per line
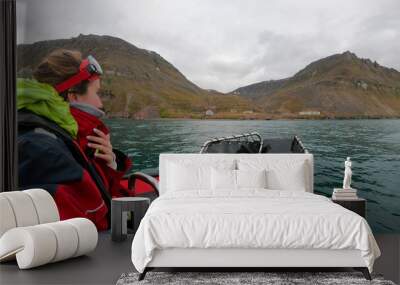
260, 89
137, 83
140, 83
338, 86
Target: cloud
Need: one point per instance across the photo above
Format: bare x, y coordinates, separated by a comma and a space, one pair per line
379, 38
226, 44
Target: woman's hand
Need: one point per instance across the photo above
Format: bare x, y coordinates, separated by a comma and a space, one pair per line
103, 147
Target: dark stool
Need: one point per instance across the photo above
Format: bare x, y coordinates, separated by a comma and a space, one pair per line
119, 215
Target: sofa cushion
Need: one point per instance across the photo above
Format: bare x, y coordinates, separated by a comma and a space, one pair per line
229, 180
23, 208
251, 178
182, 177
288, 178
188, 175
26, 208
7, 217
223, 179
288, 174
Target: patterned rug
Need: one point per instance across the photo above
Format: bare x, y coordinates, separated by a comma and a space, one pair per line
229, 278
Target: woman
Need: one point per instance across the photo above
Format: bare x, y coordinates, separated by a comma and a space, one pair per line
63, 145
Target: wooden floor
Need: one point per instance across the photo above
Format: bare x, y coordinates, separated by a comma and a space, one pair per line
110, 260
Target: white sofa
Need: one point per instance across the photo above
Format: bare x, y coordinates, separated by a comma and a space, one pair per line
153, 248
31, 231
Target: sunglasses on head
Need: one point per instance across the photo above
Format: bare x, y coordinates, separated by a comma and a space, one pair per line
89, 69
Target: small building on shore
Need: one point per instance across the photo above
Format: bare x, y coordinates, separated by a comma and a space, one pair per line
209, 112
309, 113
248, 112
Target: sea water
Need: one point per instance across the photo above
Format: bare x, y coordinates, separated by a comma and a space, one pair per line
373, 145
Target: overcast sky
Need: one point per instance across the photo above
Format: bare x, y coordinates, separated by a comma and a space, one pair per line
221, 44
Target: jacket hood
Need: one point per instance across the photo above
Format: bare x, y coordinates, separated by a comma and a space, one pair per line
43, 100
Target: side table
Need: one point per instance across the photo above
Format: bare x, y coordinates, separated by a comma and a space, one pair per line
119, 215
357, 205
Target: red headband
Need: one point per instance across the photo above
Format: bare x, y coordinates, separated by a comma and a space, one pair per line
86, 72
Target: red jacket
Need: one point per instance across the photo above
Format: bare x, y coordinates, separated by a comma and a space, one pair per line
80, 184
111, 178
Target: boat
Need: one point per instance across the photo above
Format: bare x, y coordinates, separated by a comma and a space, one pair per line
145, 183
253, 143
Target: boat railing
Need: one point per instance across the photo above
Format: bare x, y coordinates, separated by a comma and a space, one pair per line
246, 137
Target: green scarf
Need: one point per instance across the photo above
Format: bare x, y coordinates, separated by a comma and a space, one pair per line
43, 100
